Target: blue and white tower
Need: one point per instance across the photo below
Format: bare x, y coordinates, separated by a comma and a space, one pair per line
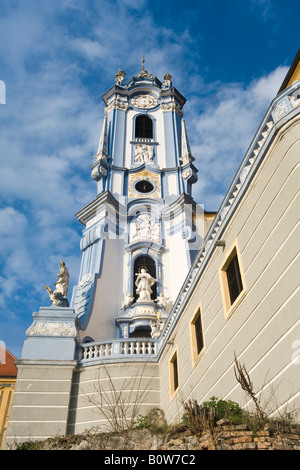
142, 229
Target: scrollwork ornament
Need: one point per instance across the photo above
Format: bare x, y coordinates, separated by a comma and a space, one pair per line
51, 329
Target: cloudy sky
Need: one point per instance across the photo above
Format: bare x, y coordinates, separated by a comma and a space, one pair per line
228, 58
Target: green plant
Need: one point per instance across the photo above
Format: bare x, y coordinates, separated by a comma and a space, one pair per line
28, 445
200, 417
142, 422
224, 409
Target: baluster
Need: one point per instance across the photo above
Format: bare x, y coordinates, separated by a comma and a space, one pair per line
122, 348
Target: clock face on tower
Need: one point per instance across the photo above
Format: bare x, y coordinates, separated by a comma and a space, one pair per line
144, 101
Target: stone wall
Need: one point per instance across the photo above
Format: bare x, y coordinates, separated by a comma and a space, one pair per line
240, 437
224, 437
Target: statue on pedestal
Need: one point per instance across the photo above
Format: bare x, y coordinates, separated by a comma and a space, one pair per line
59, 296
144, 282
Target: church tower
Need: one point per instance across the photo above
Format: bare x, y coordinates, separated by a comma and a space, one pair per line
143, 228
159, 311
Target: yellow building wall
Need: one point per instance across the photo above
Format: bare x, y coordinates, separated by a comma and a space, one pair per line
295, 76
7, 388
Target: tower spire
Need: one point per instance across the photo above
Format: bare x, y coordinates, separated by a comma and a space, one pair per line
102, 151
186, 154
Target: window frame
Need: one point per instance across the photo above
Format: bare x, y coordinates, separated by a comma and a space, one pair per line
229, 305
196, 352
174, 374
144, 129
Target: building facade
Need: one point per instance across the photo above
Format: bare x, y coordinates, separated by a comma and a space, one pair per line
8, 377
168, 294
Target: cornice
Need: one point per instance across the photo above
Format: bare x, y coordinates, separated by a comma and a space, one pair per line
139, 85
89, 211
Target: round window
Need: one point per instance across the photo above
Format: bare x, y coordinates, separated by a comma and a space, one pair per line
144, 186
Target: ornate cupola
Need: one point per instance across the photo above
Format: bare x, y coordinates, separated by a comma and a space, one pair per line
142, 229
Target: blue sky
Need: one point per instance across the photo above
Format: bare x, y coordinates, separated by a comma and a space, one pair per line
228, 58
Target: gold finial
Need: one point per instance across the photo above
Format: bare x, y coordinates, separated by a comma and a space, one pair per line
143, 62
143, 72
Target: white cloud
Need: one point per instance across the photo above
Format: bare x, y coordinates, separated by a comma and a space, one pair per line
51, 122
11, 222
90, 49
221, 128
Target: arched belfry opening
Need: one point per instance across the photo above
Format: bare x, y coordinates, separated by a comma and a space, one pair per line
143, 127
147, 263
143, 331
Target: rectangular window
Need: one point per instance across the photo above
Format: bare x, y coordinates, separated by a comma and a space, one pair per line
197, 335
232, 280
144, 127
174, 377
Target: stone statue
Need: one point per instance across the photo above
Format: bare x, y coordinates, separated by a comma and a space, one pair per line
143, 153
156, 327
144, 282
59, 296
144, 228
162, 301
128, 301
119, 77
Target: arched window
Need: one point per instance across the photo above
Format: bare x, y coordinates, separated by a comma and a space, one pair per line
149, 264
144, 127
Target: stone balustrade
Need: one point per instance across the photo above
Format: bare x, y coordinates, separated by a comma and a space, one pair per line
118, 349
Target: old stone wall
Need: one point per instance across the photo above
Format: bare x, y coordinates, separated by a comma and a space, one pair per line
225, 436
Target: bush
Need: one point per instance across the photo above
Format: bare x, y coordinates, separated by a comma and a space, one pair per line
142, 422
200, 417
224, 409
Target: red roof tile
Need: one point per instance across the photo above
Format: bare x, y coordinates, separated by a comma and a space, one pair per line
7, 363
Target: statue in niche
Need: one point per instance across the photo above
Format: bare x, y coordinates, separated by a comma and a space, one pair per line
59, 296
144, 282
143, 154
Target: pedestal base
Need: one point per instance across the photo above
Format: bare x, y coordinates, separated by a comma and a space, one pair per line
51, 335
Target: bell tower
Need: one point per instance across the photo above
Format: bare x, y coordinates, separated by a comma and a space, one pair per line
143, 228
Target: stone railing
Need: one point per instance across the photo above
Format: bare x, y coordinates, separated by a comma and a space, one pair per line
117, 349
143, 140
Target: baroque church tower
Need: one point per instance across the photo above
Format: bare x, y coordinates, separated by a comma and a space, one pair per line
143, 228
169, 296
